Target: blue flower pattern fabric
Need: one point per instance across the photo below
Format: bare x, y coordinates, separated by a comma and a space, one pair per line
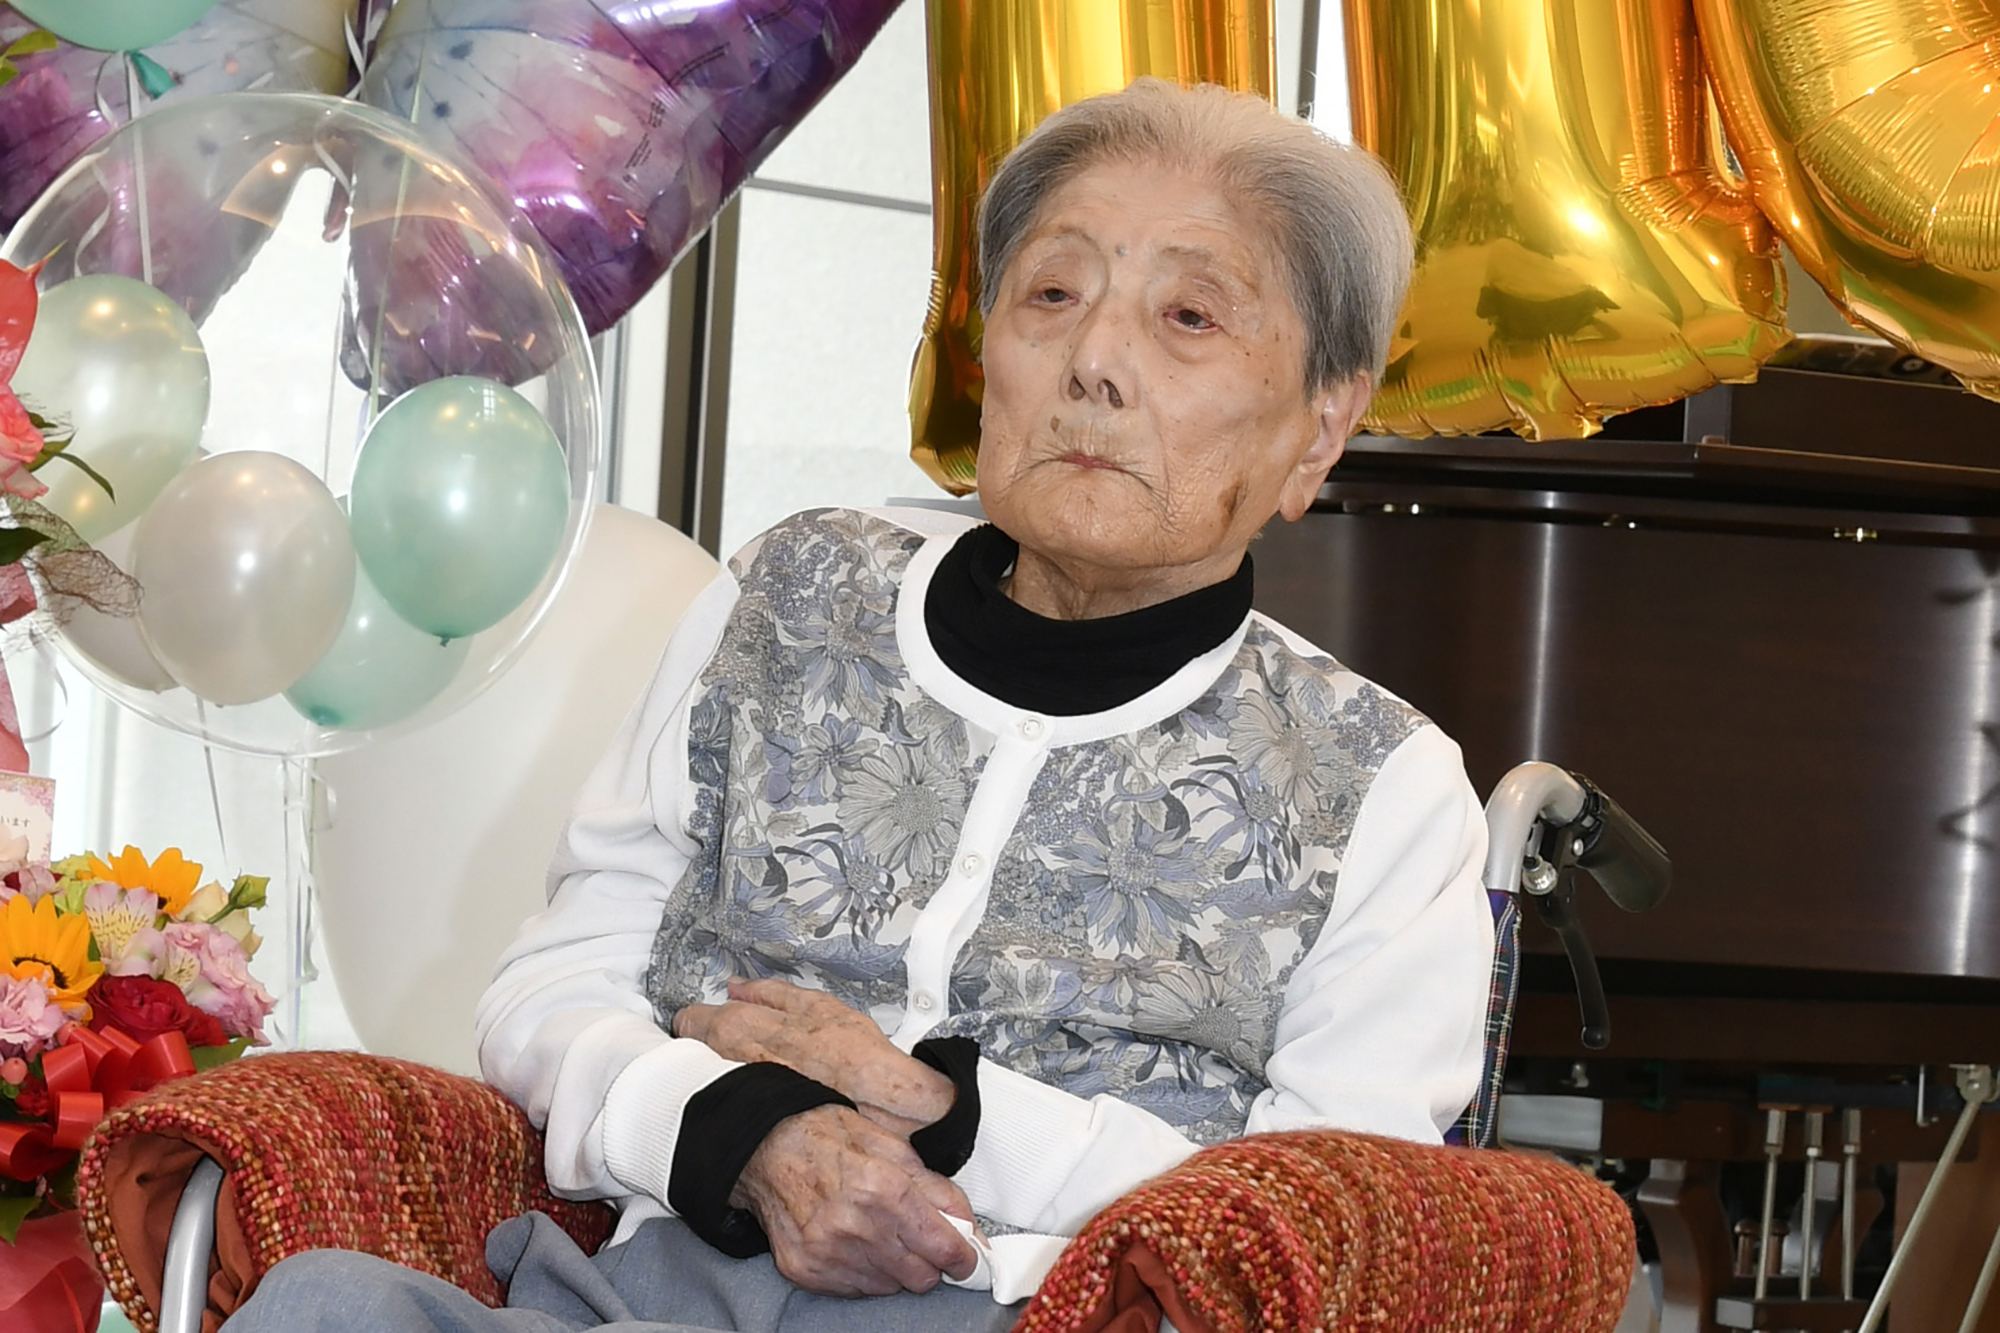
1152, 902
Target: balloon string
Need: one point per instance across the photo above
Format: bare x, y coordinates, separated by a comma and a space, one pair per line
355, 53
132, 91
40, 643
214, 791
300, 779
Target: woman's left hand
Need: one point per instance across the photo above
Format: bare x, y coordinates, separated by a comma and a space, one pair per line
818, 1036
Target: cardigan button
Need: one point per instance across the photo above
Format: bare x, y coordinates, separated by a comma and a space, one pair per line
924, 1001
1033, 727
969, 864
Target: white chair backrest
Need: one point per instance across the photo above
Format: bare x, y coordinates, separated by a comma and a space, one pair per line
436, 842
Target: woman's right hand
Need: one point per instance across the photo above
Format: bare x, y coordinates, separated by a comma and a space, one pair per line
850, 1209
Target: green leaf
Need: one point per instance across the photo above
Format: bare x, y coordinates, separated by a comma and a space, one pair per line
17, 542
210, 1057
13, 1212
83, 467
7, 72
37, 41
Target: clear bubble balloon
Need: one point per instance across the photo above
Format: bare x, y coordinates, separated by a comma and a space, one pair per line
459, 502
247, 571
380, 670
122, 367
334, 214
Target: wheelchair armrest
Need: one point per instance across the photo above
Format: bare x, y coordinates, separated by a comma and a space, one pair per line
190, 1242
317, 1150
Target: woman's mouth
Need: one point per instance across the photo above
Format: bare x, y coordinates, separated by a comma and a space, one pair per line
1083, 460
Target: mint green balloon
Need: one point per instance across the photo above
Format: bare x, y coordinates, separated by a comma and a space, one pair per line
114, 25
380, 670
461, 495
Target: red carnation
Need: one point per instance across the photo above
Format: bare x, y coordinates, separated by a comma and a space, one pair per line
142, 1008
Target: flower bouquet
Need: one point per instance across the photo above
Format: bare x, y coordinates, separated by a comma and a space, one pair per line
115, 976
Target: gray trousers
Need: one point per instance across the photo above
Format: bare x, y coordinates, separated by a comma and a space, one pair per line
663, 1280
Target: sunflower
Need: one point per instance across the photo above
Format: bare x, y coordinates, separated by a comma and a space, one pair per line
172, 877
35, 941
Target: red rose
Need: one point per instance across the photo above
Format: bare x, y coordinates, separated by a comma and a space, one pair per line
143, 1008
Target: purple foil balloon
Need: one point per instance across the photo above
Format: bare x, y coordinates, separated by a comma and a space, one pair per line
618, 127
428, 294
67, 99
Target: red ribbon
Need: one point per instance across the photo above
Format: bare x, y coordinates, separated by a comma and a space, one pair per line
90, 1075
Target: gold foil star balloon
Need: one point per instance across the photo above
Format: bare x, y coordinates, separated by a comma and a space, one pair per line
1871, 135
1582, 250
997, 68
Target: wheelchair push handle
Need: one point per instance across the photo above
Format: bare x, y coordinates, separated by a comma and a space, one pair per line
1627, 862
1544, 823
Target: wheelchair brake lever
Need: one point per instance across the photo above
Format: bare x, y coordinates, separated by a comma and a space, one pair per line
1557, 909
1550, 879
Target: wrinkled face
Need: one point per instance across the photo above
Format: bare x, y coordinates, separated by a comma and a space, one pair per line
1144, 404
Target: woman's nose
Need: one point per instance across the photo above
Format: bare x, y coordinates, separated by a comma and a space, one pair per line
1102, 366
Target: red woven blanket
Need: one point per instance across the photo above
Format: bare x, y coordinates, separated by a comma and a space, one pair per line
320, 1150
1307, 1231
1329, 1231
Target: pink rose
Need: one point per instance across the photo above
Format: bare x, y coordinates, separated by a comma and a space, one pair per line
29, 1016
20, 442
224, 987
15, 479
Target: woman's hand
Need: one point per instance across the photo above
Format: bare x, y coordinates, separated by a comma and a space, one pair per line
817, 1035
850, 1209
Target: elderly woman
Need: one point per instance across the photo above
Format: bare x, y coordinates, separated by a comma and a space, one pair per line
951, 880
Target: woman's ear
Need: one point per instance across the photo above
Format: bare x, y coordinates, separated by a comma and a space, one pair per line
1340, 412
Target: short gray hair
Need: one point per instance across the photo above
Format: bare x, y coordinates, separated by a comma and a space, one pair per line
1333, 212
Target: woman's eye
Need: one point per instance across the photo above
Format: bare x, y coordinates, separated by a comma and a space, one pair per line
1051, 296
1191, 319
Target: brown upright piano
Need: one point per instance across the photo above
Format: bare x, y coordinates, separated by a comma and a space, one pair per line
1766, 620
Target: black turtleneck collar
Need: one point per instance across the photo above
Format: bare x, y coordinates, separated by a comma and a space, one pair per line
1066, 667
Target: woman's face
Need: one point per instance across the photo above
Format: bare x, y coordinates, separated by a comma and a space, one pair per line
1144, 405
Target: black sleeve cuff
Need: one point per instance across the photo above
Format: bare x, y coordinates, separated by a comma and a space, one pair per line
946, 1145
721, 1129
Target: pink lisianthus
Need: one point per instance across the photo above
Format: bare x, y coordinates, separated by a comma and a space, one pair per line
30, 1019
225, 987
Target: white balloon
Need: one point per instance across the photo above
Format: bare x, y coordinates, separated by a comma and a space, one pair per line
113, 644
122, 365
446, 831
246, 570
